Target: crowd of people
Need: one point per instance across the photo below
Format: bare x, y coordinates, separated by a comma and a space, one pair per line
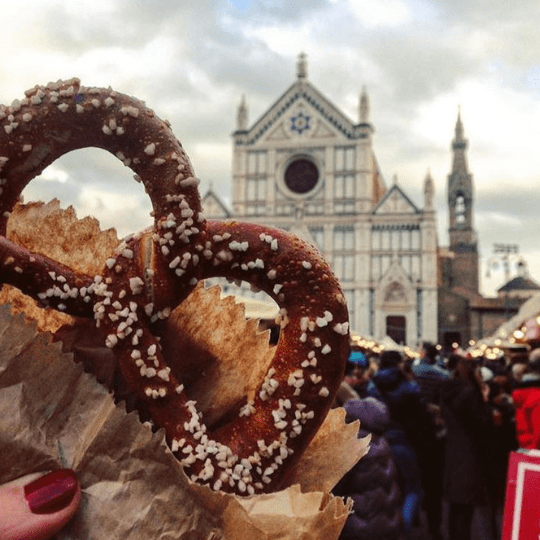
442, 429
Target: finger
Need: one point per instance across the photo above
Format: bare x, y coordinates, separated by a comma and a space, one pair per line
35, 507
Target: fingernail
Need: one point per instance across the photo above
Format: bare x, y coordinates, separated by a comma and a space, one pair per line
52, 492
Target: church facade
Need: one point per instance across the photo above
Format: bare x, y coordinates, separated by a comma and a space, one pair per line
305, 167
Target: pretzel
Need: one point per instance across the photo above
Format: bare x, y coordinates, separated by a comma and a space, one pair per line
156, 269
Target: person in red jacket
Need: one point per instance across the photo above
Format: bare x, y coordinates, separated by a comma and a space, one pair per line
526, 397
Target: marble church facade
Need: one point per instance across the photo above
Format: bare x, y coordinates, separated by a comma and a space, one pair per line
305, 167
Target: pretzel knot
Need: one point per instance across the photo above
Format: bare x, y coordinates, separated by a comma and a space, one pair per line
156, 269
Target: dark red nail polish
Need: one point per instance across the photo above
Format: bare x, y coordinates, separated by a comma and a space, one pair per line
52, 492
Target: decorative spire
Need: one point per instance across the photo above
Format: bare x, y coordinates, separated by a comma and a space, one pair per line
429, 191
363, 108
459, 136
459, 146
301, 66
242, 115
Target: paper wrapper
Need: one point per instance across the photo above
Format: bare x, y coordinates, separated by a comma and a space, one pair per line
54, 414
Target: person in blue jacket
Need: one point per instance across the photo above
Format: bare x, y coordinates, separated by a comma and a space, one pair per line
412, 434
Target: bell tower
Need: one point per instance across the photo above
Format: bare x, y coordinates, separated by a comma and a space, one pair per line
462, 236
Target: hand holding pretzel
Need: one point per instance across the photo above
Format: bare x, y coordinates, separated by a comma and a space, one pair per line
156, 269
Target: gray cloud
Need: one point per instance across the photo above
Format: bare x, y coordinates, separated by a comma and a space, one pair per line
41, 190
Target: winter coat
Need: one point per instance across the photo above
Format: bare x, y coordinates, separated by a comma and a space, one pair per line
430, 378
372, 482
526, 397
468, 422
408, 410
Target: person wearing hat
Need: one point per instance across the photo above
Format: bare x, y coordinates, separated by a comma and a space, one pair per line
358, 375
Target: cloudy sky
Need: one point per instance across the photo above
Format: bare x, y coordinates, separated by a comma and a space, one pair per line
192, 60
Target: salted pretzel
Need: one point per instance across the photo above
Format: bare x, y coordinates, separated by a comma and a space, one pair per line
156, 269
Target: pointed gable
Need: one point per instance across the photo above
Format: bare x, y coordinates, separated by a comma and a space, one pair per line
302, 109
213, 206
395, 202
395, 285
395, 274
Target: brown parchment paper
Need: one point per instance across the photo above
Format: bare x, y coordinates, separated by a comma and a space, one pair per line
54, 414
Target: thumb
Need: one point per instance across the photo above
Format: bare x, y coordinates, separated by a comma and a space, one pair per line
37, 506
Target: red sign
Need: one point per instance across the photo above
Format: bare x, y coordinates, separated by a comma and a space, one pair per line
522, 505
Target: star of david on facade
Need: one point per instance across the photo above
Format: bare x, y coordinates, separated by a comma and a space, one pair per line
300, 122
